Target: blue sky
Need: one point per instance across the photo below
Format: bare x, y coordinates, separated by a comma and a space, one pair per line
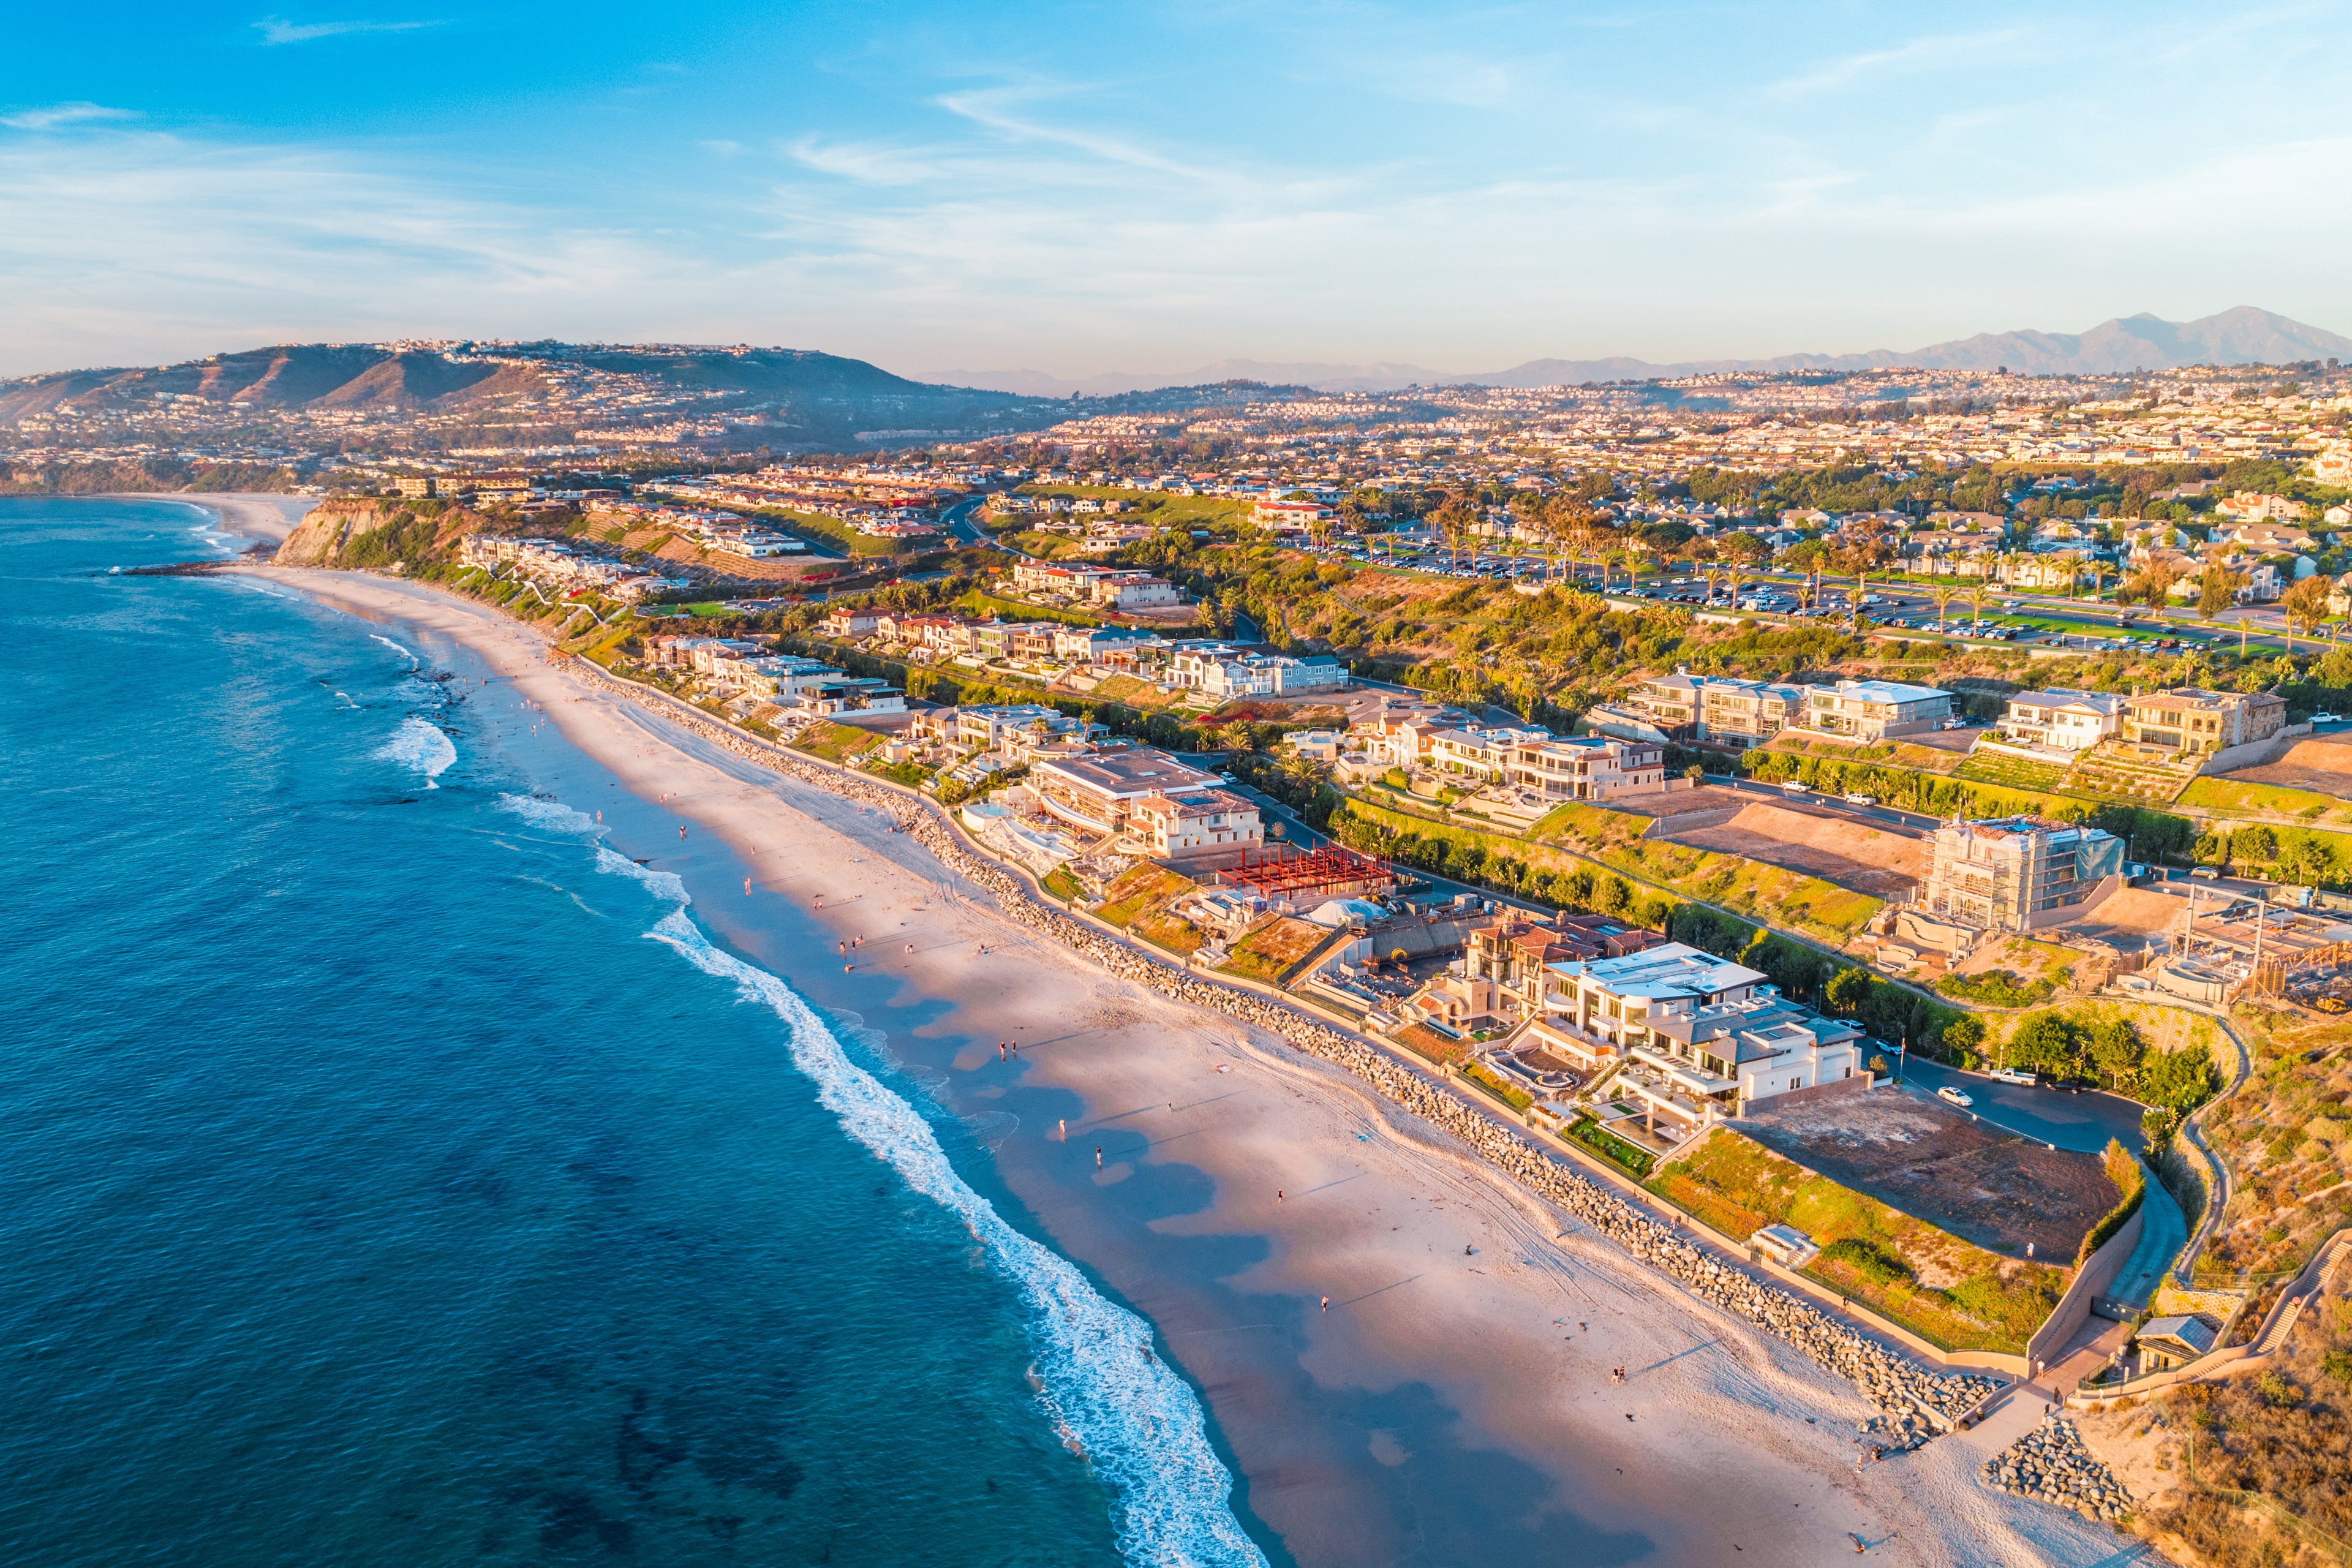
1149, 187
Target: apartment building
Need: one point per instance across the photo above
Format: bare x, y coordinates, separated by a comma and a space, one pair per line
1875, 710
850, 623
1219, 671
2192, 720
2016, 873
1515, 949
1715, 710
1478, 751
1099, 791
991, 727
1195, 824
1105, 585
1587, 767
2062, 719
773, 675
1700, 1037
1092, 645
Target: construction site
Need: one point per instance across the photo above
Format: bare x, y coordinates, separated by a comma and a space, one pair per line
1286, 876
1881, 859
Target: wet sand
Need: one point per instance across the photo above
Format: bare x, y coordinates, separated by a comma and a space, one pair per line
1454, 1402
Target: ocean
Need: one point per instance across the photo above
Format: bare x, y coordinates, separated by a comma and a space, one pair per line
395, 1168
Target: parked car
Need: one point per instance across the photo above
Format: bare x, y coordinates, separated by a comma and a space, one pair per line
2205, 874
2014, 1075
1957, 1097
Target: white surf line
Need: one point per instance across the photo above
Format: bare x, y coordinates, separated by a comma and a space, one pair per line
1121, 1407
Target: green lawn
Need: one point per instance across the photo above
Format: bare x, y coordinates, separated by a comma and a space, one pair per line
836, 743
1493, 1083
1064, 886
1633, 1159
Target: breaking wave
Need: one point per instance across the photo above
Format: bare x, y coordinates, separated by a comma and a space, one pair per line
1115, 1402
421, 745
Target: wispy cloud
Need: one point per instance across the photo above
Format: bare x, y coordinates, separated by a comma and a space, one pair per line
58, 114
275, 30
1942, 52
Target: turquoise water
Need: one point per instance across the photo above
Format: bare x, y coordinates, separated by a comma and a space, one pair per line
394, 1170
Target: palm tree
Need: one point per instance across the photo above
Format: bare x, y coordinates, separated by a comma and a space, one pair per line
1976, 604
1554, 527
1451, 520
1637, 549
1943, 593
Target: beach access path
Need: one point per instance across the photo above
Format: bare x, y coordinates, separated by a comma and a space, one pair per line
1455, 1399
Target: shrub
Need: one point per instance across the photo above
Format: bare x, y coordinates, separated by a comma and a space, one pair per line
1865, 1258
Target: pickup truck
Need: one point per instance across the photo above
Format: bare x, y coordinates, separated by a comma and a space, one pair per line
2013, 1075
1791, 786
1860, 799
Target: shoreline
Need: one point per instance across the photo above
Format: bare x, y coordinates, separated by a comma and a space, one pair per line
1466, 1364
257, 515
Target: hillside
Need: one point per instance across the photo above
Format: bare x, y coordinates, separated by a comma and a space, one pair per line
796, 393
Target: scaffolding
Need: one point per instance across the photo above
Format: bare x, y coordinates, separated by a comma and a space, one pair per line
1281, 874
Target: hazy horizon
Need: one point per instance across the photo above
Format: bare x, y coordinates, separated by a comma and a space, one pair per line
1079, 191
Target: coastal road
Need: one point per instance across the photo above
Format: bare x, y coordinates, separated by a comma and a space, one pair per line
1885, 813
2083, 1122
960, 520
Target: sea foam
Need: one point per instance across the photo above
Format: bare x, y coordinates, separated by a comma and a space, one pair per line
1114, 1400
421, 745
552, 816
407, 653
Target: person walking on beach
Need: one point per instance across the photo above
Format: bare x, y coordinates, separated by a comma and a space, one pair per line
1097, 1156
1065, 1128
1327, 1303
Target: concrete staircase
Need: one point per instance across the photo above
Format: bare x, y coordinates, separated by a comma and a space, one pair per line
2117, 770
2316, 1281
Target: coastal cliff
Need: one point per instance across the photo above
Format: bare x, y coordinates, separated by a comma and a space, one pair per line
370, 530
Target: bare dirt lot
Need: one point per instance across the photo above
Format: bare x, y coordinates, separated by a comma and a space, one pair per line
2323, 764
1864, 857
2129, 916
1931, 1162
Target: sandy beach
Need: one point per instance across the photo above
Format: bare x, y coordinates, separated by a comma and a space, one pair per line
1453, 1400
249, 514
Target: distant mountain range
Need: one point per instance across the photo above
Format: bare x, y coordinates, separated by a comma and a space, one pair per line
2242, 336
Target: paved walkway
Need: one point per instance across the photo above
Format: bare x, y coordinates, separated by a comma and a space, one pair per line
2164, 1231
2011, 1417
